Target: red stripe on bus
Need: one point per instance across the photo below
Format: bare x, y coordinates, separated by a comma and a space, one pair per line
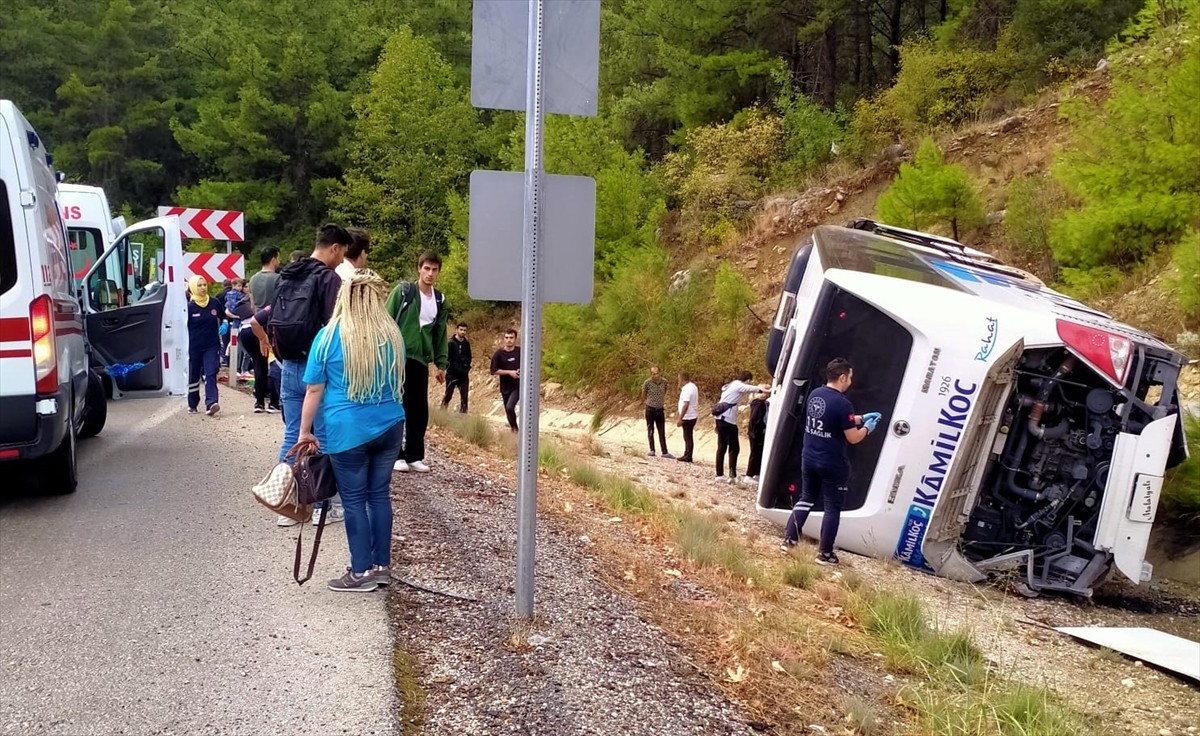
16, 353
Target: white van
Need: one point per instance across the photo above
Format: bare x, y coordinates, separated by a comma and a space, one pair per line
91, 228
1022, 430
127, 312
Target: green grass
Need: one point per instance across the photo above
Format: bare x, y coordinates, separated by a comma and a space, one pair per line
911, 645
701, 539
959, 696
551, 457
622, 494
801, 573
471, 427
588, 476
477, 431
995, 708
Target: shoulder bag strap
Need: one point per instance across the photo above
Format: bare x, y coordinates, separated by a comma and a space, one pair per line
312, 559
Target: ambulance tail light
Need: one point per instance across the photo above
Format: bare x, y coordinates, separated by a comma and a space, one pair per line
45, 363
1108, 352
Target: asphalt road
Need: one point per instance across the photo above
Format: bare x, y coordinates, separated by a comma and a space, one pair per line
158, 599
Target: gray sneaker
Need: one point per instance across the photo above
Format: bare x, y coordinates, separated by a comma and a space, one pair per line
351, 583
380, 574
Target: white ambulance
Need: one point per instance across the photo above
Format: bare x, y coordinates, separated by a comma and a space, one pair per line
62, 349
1022, 430
91, 228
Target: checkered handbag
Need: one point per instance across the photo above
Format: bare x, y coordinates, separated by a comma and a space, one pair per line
277, 492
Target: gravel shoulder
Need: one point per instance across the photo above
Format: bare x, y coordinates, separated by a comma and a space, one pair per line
586, 664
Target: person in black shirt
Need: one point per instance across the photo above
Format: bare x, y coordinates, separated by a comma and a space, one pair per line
756, 431
458, 368
204, 319
506, 363
830, 427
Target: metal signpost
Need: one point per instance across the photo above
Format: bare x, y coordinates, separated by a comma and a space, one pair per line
561, 41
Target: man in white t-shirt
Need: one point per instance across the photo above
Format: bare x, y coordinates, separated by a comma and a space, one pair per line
689, 399
356, 254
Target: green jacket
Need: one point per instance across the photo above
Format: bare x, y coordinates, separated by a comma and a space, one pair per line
423, 344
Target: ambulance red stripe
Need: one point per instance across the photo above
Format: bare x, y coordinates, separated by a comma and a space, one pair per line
14, 329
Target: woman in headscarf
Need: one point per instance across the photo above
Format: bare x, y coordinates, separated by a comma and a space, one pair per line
204, 345
355, 377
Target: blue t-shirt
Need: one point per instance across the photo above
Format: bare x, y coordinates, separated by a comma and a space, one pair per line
827, 417
348, 424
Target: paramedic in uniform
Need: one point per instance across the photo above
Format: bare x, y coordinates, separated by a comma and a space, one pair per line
830, 425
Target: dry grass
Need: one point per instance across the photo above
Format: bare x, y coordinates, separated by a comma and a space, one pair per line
773, 623
410, 694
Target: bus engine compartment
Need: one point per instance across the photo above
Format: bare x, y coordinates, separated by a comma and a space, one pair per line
1043, 489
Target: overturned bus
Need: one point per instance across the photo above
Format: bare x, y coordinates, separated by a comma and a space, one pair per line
1022, 431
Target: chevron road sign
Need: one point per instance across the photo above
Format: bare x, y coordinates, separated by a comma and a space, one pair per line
208, 224
214, 266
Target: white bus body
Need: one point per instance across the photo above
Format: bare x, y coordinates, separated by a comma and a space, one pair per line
1022, 430
90, 224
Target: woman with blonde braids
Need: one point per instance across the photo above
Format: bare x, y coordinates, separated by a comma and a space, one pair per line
355, 376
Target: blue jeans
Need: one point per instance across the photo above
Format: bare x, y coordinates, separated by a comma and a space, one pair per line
363, 478
291, 396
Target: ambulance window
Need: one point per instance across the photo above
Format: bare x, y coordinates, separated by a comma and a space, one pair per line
144, 275
8, 243
85, 249
106, 284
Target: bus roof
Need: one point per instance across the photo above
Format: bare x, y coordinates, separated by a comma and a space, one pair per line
875, 253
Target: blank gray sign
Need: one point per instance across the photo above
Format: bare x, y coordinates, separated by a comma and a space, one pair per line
566, 248
570, 55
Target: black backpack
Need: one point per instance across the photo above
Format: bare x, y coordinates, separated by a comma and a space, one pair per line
296, 312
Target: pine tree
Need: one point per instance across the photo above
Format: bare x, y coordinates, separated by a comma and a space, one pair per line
929, 191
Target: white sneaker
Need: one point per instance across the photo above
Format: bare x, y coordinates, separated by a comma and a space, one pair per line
419, 466
285, 521
400, 466
334, 515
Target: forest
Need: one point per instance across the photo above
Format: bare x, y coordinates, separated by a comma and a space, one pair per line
358, 111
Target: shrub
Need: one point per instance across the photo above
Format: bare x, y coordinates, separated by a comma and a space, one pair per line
930, 191
1181, 492
1033, 203
936, 89
1049, 36
721, 164
1187, 274
809, 133
1132, 163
